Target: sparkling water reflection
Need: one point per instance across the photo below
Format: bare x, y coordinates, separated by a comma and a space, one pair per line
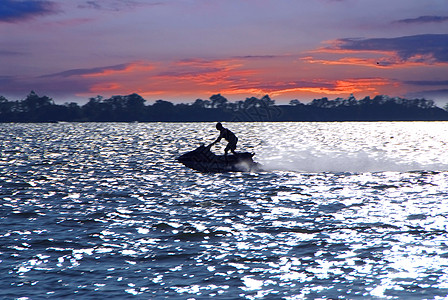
344, 210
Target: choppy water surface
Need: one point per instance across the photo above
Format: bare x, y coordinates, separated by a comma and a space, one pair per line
345, 210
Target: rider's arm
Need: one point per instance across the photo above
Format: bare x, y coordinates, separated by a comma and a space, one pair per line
218, 139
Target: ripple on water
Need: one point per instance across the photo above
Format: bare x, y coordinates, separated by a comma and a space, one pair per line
104, 210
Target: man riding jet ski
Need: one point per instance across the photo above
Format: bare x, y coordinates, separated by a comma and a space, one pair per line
229, 136
204, 160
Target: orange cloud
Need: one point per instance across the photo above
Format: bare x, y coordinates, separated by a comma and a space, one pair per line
377, 63
383, 62
127, 69
206, 72
203, 63
105, 87
335, 50
237, 77
365, 86
342, 87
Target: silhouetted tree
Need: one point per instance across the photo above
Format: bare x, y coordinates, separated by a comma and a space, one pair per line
33, 102
218, 101
162, 110
322, 102
295, 102
73, 111
94, 109
267, 101
163, 105
5, 108
135, 102
201, 103
446, 107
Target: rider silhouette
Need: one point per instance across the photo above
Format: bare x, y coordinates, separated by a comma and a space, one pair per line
229, 136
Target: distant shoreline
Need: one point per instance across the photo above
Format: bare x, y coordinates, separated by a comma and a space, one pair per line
132, 108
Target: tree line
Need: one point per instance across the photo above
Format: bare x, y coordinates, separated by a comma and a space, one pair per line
131, 108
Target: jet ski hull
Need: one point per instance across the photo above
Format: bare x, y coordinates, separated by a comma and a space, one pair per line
203, 160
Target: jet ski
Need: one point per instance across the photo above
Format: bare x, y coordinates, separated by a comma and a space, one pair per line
204, 160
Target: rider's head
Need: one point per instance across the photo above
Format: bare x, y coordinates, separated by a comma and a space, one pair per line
219, 126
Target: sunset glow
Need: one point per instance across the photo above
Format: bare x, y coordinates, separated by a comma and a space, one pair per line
184, 50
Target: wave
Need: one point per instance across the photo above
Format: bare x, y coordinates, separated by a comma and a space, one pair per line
312, 161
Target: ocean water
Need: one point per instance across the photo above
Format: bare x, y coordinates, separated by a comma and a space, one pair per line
342, 211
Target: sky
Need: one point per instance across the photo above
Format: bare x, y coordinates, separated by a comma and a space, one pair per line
182, 50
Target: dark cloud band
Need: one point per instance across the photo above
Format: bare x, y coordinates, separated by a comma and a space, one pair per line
116, 5
15, 11
427, 82
424, 19
81, 72
435, 45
